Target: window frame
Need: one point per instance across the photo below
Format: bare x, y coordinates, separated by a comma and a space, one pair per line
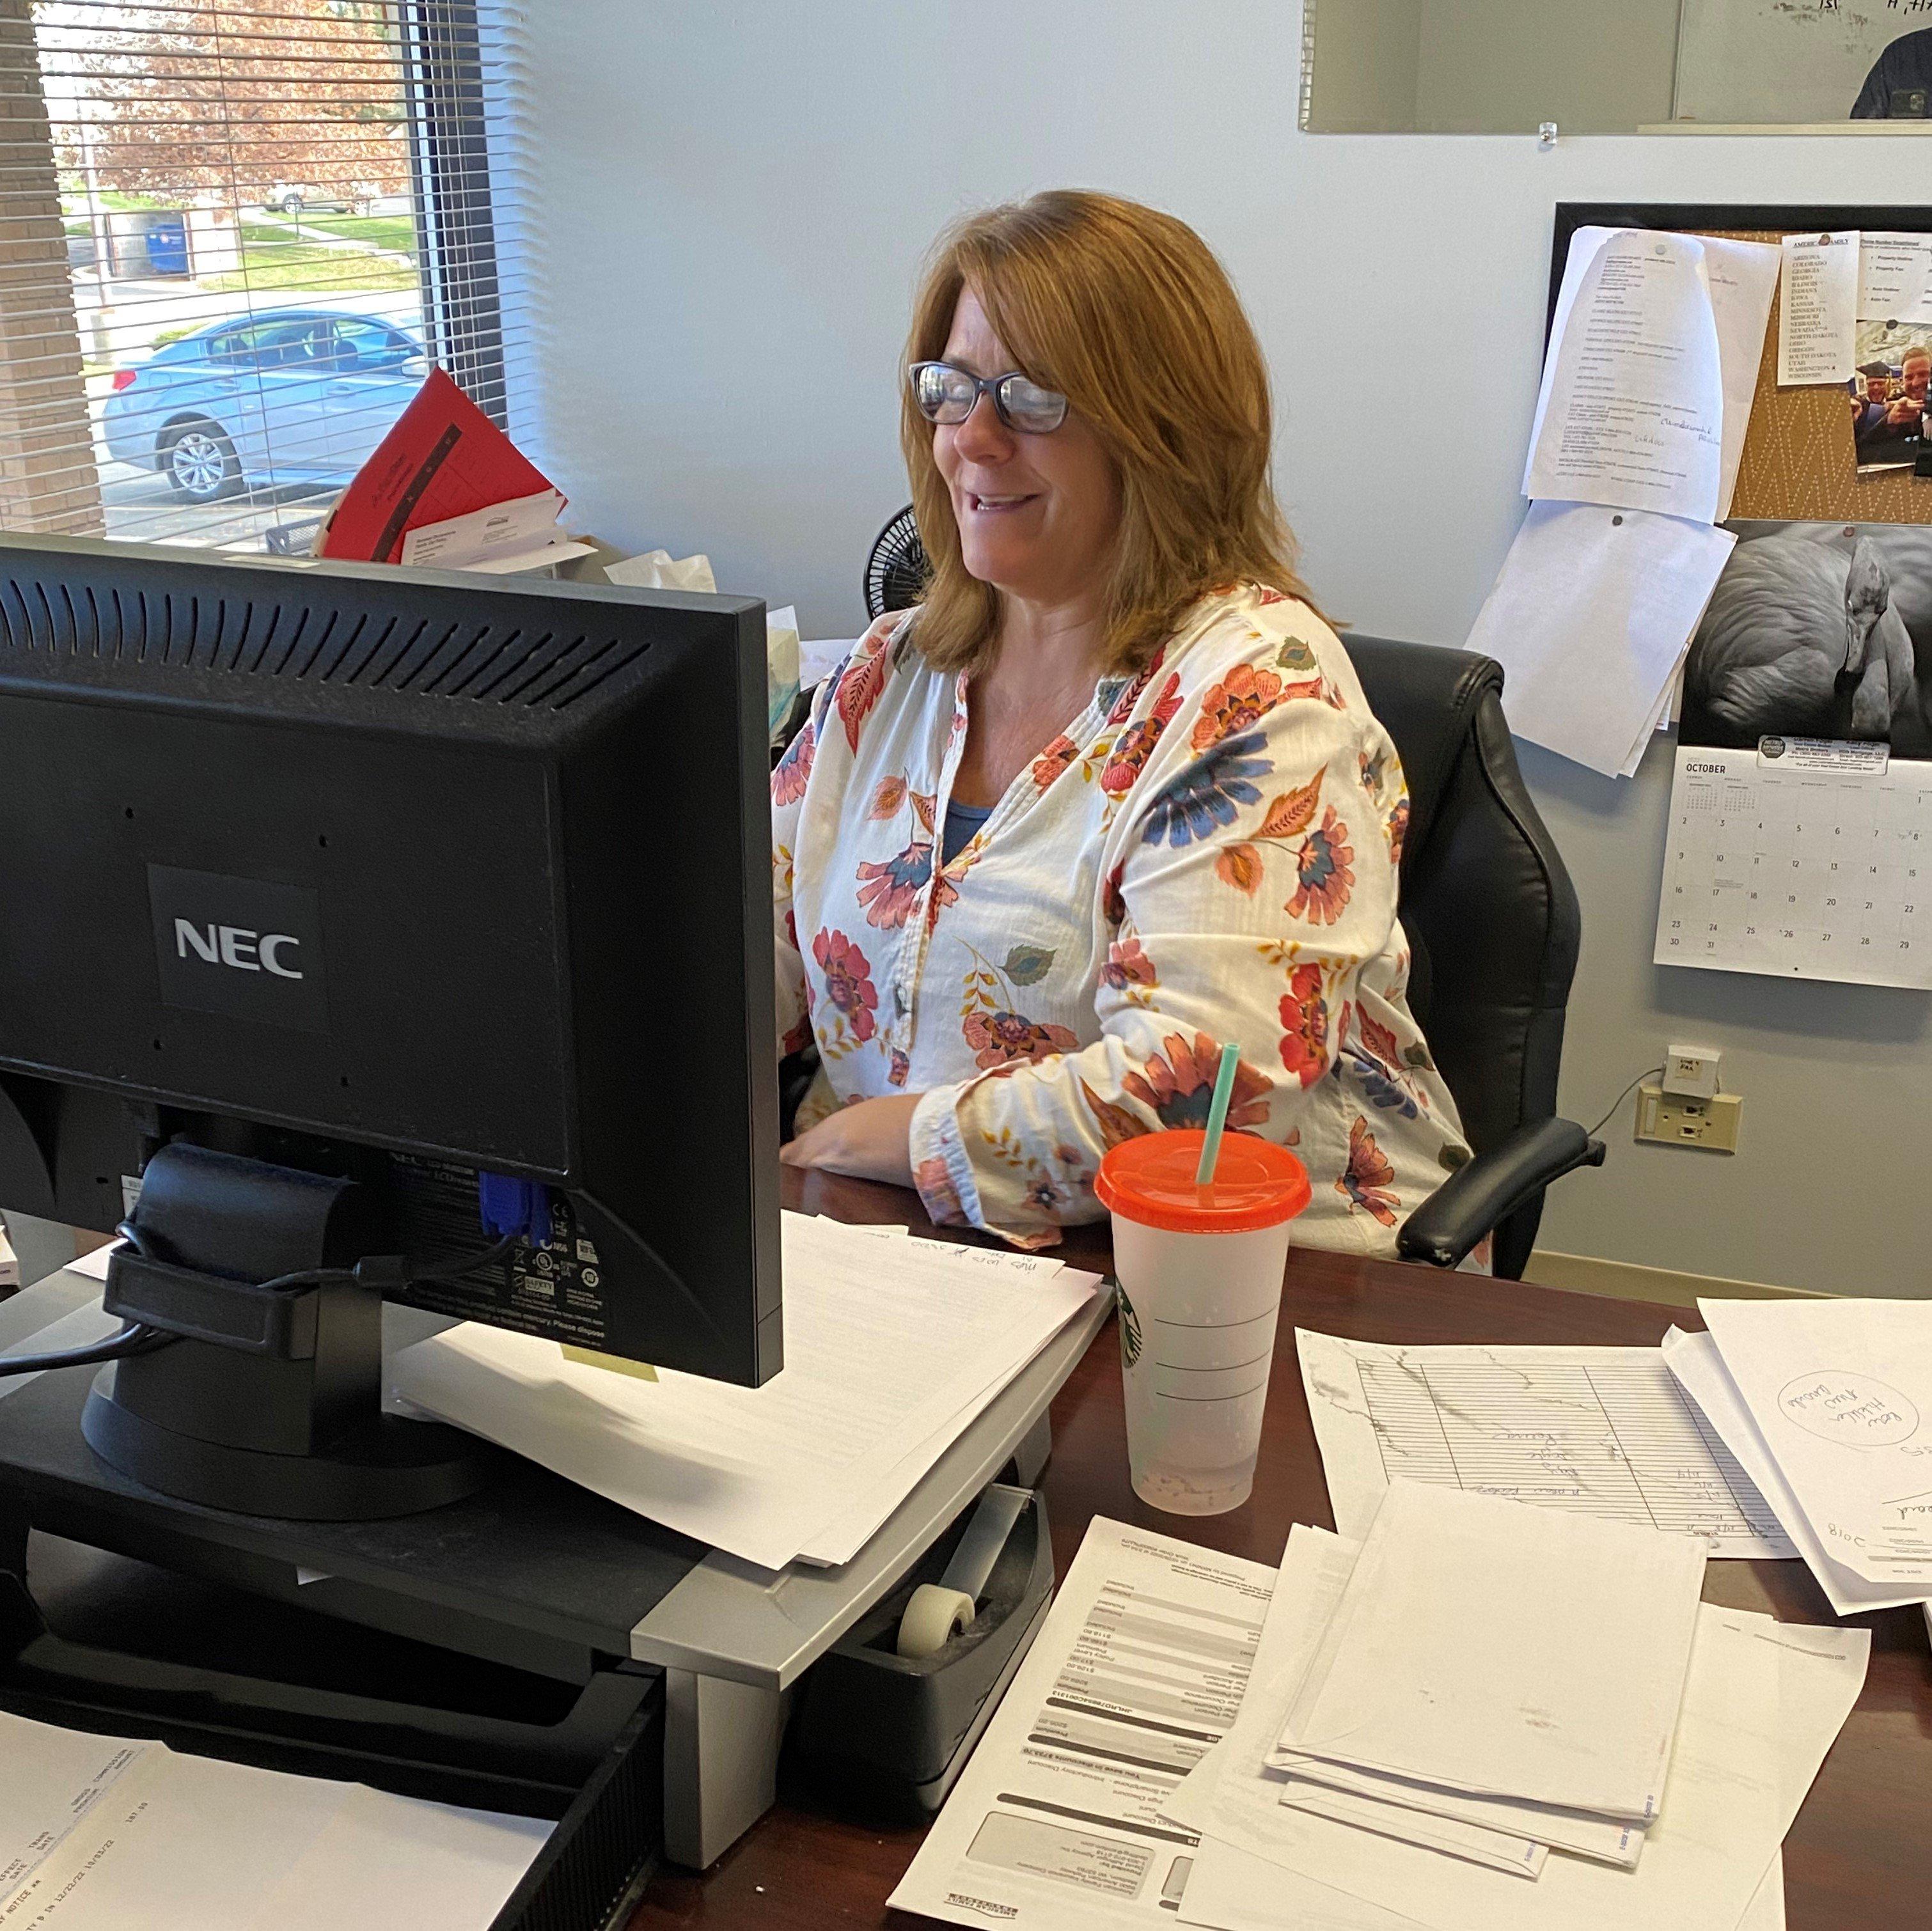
449, 160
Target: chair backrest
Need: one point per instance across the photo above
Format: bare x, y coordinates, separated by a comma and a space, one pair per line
1492, 917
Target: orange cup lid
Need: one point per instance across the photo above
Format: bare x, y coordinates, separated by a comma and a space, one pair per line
1151, 1179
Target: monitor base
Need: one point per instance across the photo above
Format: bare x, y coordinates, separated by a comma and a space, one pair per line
385, 1467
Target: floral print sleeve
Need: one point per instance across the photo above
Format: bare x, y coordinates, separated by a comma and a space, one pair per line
1209, 853
791, 781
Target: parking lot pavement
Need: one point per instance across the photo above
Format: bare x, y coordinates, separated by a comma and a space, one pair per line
142, 508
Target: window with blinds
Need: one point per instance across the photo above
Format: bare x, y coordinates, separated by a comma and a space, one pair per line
234, 235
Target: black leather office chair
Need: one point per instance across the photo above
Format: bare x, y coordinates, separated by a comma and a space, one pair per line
1494, 925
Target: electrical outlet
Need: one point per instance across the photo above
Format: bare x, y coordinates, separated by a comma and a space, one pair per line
1666, 1119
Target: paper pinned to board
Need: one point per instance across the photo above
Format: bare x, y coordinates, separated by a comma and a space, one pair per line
1818, 311
1741, 278
1590, 617
1631, 409
1894, 277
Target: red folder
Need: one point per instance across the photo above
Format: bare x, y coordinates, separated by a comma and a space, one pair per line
444, 457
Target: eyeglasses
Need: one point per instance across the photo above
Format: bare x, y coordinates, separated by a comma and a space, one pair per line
948, 395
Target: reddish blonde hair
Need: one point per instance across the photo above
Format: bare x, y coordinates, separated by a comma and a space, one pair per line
1127, 313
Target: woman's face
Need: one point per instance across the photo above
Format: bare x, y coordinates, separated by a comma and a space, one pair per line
1037, 515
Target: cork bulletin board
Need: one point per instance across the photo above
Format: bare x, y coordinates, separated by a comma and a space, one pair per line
1797, 463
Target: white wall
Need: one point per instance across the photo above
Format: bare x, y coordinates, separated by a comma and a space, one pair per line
735, 198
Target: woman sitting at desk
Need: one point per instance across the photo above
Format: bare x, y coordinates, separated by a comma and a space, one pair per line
1165, 817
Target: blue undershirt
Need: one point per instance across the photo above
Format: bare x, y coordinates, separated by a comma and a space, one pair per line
962, 821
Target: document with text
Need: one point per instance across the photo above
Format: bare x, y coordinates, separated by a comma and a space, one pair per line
1631, 412
1141, 1667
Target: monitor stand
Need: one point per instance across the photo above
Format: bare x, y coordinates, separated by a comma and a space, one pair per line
268, 1402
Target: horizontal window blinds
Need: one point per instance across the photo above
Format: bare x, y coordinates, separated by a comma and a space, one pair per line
234, 234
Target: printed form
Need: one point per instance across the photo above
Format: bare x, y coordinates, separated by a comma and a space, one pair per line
1632, 409
1602, 1431
1140, 1669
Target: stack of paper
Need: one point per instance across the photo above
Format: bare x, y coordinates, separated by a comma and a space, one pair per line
1828, 1405
1654, 355
892, 1347
1493, 1717
107, 1831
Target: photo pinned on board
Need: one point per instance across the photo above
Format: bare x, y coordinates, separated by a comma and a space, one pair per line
1888, 394
1816, 630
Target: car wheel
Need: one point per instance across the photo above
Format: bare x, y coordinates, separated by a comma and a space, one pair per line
199, 463
292, 204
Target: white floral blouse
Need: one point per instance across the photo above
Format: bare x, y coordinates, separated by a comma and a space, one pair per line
1208, 853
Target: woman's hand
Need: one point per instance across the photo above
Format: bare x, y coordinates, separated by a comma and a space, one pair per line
871, 1140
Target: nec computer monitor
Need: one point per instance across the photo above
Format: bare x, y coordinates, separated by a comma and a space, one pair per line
411, 876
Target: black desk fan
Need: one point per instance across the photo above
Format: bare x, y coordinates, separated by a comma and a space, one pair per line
896, 571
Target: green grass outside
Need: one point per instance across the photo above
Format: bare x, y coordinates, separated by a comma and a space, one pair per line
271, 259
396, 233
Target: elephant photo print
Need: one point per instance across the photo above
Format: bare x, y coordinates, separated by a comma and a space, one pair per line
1816, 630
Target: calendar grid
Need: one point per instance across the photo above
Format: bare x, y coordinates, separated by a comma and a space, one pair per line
1798, 873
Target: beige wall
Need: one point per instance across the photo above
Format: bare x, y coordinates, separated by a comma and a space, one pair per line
1492, 66
1505, 66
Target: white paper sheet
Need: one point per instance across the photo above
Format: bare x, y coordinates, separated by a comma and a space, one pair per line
1763, 1704
1590, 616
1894, 277
9, 1265
1056, 1822
1754, 878
1817, 314
1742, 277
482, 537
1509, 1651
1233, 1794
1632, 407
1601, 1430
1694, 1360
884, 1366
1841, 1393
1519, 1857
170, 1841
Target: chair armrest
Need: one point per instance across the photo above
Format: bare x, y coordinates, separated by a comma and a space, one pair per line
1473, 1199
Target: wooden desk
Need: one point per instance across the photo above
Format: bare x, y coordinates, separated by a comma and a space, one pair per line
1860, 1853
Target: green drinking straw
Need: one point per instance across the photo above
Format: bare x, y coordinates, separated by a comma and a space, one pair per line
1217, 1114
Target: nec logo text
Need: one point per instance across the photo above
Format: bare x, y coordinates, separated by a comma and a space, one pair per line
239, 947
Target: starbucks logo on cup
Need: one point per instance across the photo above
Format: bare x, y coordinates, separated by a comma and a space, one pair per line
1130, 1330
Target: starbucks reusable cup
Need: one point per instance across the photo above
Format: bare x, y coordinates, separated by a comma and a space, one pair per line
1200, 1269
